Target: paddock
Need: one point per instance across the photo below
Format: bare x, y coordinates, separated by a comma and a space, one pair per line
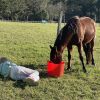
27, 44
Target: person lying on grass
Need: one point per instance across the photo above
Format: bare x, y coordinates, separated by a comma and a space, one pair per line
16, 72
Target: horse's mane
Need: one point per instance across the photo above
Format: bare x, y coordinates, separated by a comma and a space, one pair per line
61, 36
72, 23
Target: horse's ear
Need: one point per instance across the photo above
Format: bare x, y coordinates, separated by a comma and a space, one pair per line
51, 47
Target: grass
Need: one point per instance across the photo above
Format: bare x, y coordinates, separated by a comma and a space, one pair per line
27, 44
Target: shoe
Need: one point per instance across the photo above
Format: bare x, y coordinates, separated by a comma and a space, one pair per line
30, 81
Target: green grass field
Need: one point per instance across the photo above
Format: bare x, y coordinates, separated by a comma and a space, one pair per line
27, 44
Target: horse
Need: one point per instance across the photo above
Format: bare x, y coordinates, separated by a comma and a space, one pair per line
79, 31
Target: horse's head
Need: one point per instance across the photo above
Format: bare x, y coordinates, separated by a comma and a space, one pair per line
55, 56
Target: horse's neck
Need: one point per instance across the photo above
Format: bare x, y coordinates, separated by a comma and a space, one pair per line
59, 43
61, 48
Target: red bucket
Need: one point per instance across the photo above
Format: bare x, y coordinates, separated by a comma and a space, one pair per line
55, 70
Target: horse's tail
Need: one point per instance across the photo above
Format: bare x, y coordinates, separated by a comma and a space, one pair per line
94, 27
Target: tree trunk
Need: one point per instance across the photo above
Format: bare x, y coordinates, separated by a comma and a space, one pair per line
27, 18
59, 22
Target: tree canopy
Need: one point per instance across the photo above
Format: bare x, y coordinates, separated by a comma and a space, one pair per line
36, 10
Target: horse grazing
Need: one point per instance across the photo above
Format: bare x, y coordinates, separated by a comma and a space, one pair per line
79, 31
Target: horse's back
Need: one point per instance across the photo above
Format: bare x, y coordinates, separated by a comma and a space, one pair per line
88, 24
88, 28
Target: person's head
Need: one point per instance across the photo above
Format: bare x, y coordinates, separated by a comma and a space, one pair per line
55, 55
3, 59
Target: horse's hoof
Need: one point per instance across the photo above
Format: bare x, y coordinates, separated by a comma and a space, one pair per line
68, 69
93, 64
87, 63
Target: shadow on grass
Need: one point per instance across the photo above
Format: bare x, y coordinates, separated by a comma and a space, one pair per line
31, 66
40, 68
22, 85
19, 84
42, 74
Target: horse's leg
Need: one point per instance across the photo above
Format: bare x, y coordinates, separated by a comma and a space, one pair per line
85, 50
69, 57
80, 55
89, 52
92, 45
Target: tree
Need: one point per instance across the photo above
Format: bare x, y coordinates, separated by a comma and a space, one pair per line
39, 7
48, 9
98, 10
14, 9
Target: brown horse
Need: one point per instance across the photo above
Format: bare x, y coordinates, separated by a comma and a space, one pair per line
79, 32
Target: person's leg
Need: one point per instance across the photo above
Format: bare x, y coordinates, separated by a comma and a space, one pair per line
32, 78
20, 72
27, 75
26, 71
